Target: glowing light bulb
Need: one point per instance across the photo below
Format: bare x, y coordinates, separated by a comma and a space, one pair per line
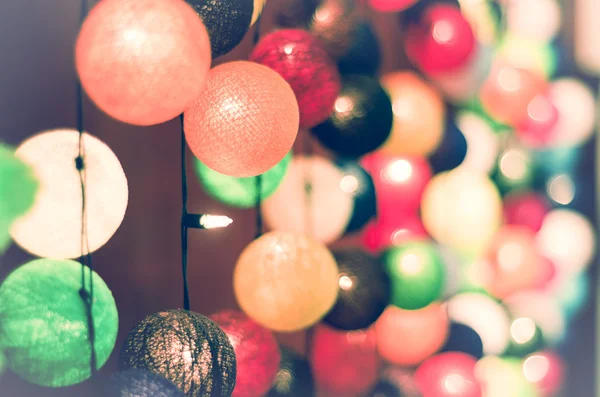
215, 221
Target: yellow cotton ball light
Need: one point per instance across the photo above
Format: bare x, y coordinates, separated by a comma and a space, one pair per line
285, 281
462, 209
52, 227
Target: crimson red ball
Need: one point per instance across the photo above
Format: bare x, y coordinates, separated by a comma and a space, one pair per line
537, 129
380, 235
302, 61
256, 350
399, 183
344, 363
443, 41
525, 209
450, 374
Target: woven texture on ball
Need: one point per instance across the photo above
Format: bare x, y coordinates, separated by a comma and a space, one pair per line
303, 62
142, 61
227, 22
137, 383
256, 350
245, 121
44, 324
185, 347
361, 120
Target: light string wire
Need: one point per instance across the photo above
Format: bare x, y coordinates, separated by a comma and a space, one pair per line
86, 257
258, 178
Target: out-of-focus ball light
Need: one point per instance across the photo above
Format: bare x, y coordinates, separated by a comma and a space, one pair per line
526, 209
542, 309
19, 187
502, 377
464, 339
301, 60
568, 239
391, 5
137, 383
482, 143
462, 209
576, 107
486, 316
413, 134
541, 59
117, 50
242, 129
380, 234
561, 189
443, 40
364, 56
314, 188
52, 228
538, 126
335, 23
515, 168
525, 337
545, 370
294, 378
45, 324
483, 18
573, 295
449, 374
359, 184
241, 192
422, 333
227, 22
451, 151
256, 351
285, 281
541, 29
259, 5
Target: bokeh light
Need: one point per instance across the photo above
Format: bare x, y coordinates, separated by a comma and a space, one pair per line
542, 309
482, 142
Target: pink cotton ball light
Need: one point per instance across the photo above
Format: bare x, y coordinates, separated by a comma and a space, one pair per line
245, 120
143, 62
302, 61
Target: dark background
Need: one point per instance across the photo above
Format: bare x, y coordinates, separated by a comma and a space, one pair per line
141, 263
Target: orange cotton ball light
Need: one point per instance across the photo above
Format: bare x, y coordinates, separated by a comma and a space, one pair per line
143, 62
244, 122
407, 337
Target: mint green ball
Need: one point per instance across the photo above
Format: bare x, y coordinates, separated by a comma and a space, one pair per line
241, 192
18, 188
44, 322
2, 362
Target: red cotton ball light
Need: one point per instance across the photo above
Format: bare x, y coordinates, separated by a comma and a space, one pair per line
143, 62
391, 5
302, 61
443, 41
245, 120
256, 350
450, 374
344, 363
526, 209
380, 235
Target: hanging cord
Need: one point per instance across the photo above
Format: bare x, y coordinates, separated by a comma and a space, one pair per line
86, 295
259, 220
184, 228
308, 184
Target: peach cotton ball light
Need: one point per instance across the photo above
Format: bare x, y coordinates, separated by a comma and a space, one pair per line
143, 62
244, 122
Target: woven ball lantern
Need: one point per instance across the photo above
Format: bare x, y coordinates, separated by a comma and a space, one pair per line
186, 348
137, 383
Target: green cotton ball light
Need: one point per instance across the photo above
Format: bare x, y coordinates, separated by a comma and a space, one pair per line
241, 192
417, 274
2, 362
18, 188
44, 322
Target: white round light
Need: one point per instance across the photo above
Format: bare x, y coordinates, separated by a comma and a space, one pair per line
482, 143
576, 112
542, 309
52, 228
486, 316
537, 20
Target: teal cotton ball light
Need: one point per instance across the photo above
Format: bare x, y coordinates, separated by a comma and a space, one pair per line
18, 188
45, 326
241, 192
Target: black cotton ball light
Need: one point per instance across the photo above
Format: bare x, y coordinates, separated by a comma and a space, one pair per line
364, 291
186, 348
138, 383
227, 22
359, 184
361, 120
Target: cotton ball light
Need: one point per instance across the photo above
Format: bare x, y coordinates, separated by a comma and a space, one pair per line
119, 46
302, 61
543, 28
241, 192
245, 120
258, 8
546, 371
462, 209
286, 281
295, 376
449, 374
568, 239
186, 348
227, 22
136, 383
359, 184
483, 144
543, 309
45, 323
313, 188
256, 351
335, 23
485, 316
391, 5
52, 228
501, 377
19, 187
361, 120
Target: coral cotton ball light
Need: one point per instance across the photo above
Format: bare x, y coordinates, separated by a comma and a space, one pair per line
302, 61
245, 120
186, 348
52, 228
286, 281
449, 374
313, 187
256, 351
143, 62
44, 323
